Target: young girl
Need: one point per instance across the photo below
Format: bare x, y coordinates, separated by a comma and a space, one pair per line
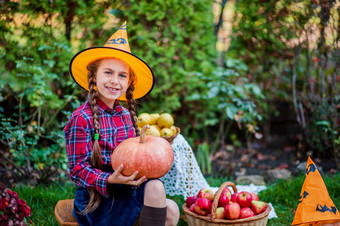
103, 196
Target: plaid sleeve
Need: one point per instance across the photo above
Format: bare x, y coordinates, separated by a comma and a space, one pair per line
78, 137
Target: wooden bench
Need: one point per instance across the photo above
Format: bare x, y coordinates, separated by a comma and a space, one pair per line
63, 213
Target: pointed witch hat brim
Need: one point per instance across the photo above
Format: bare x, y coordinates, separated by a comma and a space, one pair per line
117, 46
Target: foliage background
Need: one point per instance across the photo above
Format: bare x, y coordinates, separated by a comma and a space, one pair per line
280, 51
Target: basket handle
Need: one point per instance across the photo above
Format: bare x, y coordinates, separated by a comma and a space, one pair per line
217, 197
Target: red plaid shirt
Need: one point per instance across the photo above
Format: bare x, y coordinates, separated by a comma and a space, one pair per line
115, 126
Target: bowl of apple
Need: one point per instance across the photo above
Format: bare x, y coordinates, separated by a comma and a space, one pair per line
161, 125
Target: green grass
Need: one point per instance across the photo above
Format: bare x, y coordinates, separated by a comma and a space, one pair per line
42, 200
284, 196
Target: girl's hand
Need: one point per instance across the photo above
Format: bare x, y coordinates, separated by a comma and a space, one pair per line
118, 178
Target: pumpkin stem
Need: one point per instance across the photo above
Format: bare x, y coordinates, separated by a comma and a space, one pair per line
142, 133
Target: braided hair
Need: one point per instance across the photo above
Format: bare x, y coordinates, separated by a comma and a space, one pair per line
96, 158
132, 102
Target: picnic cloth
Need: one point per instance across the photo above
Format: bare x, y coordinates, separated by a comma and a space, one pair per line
185, 177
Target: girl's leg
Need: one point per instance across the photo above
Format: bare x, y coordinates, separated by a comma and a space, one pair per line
154, 194
172, 213
156, 207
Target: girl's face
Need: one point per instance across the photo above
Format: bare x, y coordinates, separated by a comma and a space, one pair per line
112, 80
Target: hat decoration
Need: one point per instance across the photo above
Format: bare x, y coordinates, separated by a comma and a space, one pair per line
315, 205
117, 46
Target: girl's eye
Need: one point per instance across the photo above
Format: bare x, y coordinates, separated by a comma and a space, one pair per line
108, 72
123, 75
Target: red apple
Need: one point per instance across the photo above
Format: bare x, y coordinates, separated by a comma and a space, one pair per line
206, 193
246, 212
232, 211
192, 208
244, 199
220, 213
224, 198
254, 196
202, 206
233, 197
190, 200
227, 191
258, 206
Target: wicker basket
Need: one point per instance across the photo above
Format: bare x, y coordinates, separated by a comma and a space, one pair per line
194, 219
171, 138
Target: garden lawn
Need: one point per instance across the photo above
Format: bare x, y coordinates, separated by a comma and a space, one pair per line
42, 200
284, 195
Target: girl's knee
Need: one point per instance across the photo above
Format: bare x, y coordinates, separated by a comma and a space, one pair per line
156, 187
154, 194
173, 213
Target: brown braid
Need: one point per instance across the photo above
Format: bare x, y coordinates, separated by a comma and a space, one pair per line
96, 157
131, 106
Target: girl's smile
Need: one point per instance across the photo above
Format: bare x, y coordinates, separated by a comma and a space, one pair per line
112, 80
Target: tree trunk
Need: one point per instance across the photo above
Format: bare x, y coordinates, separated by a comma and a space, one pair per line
71, 5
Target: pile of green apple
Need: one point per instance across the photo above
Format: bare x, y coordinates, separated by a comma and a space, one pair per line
161, 125
234, 206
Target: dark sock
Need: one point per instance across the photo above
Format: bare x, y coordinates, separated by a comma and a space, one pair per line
151, 216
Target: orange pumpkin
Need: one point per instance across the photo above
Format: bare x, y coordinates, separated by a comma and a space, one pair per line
149, 155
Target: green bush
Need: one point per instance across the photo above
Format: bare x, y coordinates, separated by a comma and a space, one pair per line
277, 41
32, 132
273, 56
175, 37
229, 96
37, 93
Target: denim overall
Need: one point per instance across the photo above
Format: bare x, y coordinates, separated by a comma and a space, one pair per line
121, 208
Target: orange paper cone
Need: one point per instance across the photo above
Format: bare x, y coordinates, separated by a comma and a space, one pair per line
315, 206
119, 39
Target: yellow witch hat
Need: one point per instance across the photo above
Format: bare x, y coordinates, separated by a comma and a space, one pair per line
315, 206
117, 46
